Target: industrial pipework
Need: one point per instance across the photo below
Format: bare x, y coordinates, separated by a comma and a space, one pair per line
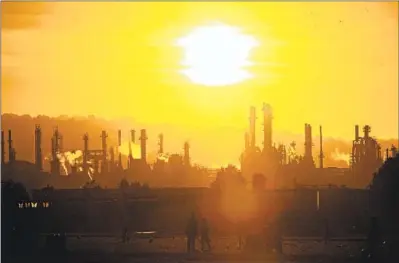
252, 126
267, 127
143, 142
38, 148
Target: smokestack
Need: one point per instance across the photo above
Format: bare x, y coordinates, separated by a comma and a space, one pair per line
112, 159
104, 162
356, 132
246, 141
119, 153
252, 126
186, 154
160, 144
119, 137
143, 140
321, 148
267, 127
366, 130
11, 150
55, 164
85, 152
308, 142
130, 159
38, 148
133, 136
3, 150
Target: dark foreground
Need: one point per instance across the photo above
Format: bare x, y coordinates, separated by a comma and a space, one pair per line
159, 250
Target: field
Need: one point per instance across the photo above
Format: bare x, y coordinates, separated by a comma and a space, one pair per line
111, 249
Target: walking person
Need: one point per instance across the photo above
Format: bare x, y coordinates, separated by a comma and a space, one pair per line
191, 233
205, 239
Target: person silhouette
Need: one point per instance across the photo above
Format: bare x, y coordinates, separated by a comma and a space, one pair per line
205, 239
191, 232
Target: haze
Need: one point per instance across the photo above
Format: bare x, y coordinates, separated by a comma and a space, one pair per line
334, 64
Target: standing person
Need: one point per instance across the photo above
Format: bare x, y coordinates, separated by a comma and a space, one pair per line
326, 231
124, 234
191, 233
205, 239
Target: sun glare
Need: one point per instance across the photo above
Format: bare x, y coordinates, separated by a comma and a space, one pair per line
216, 55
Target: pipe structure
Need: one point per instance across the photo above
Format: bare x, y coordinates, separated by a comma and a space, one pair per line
308, 142
11, 150
143, 142
104, 161
112, 159
366, 130
85, 152
38, 148
160, 144
55, 149
357, 132
252, 126
267, 127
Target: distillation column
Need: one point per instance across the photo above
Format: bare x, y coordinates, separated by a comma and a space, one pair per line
104, 161
252, 126
321, 156
85, 153
38, 148
143, 142
308, 142
55, 149
112, 159
267, 127
11, 150
160, 144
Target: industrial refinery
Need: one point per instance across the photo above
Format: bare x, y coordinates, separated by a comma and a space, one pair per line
280, 164
283, 168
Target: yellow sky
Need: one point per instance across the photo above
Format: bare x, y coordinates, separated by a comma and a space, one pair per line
334, 64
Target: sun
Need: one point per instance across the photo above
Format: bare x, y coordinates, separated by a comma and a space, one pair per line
216, 55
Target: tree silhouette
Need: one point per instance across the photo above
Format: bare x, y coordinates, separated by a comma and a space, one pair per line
385, 202
17, 225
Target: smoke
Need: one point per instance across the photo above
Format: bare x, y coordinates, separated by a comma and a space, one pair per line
74, 158
61, 158
71, 158
163, 157
90, 173
340, 156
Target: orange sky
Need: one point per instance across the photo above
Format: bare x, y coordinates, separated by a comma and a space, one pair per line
334, 64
